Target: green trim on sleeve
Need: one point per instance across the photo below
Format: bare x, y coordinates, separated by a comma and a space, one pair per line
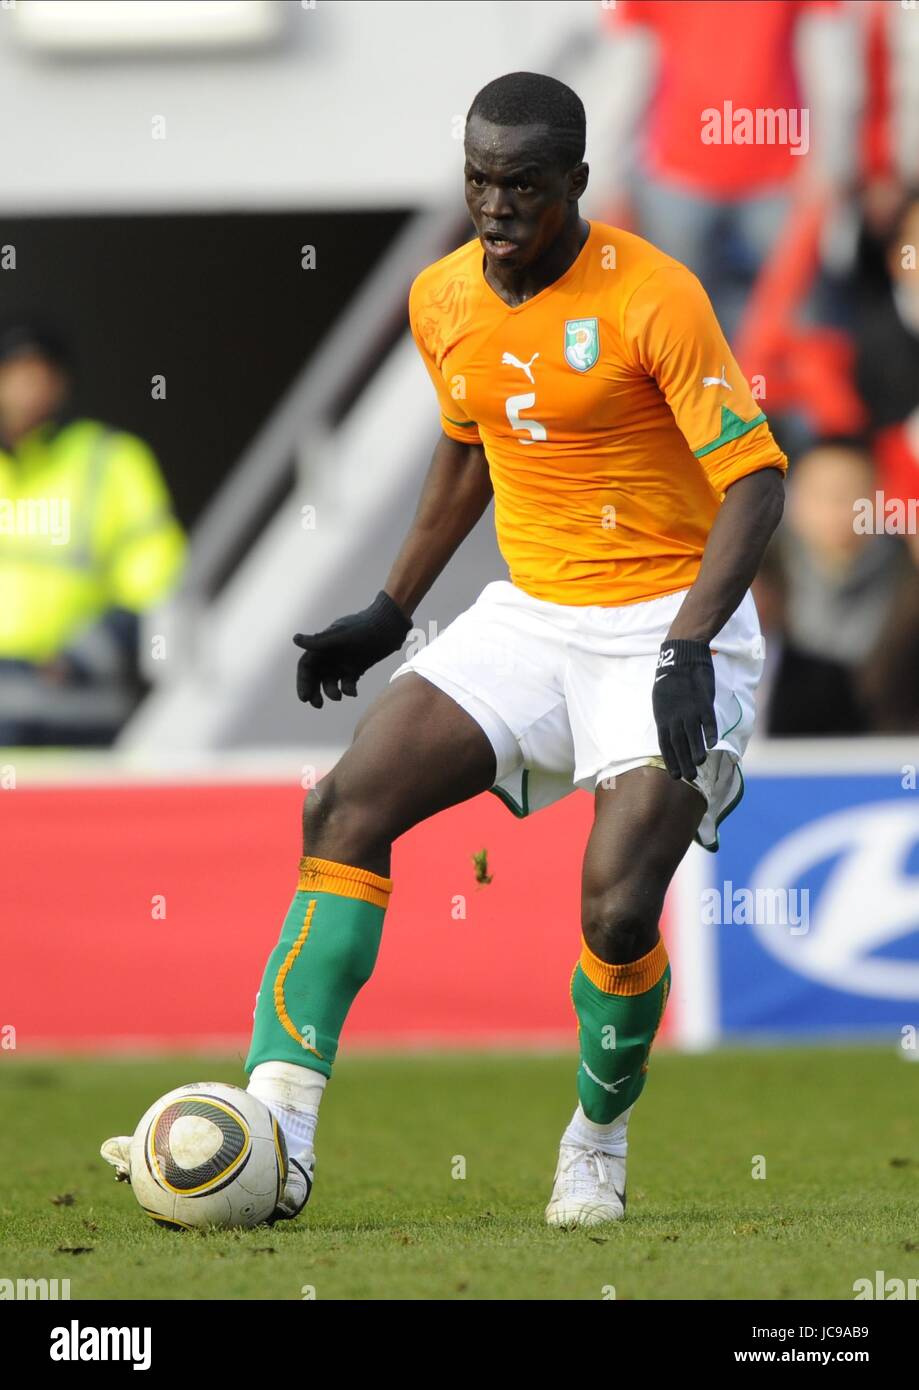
466, 424
732, 427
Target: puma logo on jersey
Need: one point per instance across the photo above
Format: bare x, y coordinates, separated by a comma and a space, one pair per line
611, 1086
717, 381
509, 360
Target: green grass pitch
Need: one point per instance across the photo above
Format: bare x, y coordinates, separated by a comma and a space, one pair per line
838, 1129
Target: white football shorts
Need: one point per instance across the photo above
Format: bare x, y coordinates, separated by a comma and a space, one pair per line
564, 693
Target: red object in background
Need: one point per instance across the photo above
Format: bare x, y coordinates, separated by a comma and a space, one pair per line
804, 367
86, 963
897, 465
876, 143
710, 53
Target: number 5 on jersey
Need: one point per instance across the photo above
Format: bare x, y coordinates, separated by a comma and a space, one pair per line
513, 406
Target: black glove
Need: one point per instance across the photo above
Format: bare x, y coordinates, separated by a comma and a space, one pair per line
683, 701
344, 651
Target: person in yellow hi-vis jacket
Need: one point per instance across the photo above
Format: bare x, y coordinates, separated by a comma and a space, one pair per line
88, 541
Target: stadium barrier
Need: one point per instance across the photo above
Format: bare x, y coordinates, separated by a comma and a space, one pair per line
138, 908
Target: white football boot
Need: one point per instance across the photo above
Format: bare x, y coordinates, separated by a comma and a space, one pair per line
297, 1189
117, 1152
293, 1199
589, 1187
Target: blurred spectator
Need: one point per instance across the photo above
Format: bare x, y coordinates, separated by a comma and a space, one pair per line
824, 294
830, 588
87, 542
840, 257
842, 579
719, 205
887, 374
888, 149
889, 680
804, 369
799, 694
887, 356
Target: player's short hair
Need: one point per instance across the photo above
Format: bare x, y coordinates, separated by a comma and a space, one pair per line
531, 98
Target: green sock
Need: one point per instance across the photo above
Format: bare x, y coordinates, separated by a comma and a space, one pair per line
619, 1009
327, 951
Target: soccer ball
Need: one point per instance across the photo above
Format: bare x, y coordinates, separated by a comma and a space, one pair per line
208, 1155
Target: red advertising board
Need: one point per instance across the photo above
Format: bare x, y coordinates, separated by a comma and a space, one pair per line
138, 916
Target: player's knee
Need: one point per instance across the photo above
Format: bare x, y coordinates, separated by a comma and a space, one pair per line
339, 825
619, 925
316, 808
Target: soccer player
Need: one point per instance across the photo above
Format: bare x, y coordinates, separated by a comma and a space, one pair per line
583, 381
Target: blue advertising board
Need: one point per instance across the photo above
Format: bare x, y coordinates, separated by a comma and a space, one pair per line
816, 918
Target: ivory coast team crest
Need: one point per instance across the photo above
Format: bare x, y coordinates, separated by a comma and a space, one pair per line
582, 343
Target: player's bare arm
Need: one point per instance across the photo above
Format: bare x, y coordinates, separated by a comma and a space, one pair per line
456, 492
751, 510
684, 685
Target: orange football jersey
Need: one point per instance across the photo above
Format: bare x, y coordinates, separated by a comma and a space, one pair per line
610, 408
